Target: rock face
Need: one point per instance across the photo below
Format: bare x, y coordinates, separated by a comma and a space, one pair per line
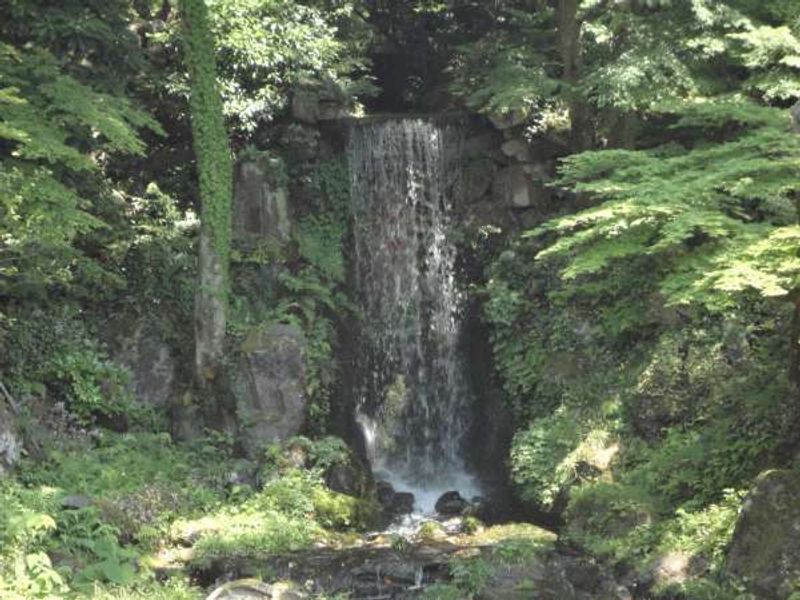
269, 387
261, 199
765, 551
514, 187
149, 359
10, 441
314, 101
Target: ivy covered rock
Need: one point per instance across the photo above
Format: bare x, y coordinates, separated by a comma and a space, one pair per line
765, 550
10, 442
269, 385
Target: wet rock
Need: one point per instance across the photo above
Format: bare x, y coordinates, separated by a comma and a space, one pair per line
451, 503
269, 387
402, 503
384, 493
393, 502
765, 549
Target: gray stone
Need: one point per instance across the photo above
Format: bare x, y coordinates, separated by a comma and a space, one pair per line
517, 149
269, 385
261, 199
149, 360
314, 101
514, 187
507, 120
539, 170
254, 589
765, 549
10, 440
76, 502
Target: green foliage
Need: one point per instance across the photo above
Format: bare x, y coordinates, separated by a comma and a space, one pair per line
555, 452
47, 550
620, 523
53, 128
55, 355
309, 288
471, 575
265, 47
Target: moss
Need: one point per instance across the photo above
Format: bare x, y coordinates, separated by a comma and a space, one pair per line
340, 511
509, 531
210, 137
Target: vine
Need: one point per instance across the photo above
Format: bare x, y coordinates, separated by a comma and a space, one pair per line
210, 137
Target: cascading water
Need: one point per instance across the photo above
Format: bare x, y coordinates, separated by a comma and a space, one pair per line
413, 393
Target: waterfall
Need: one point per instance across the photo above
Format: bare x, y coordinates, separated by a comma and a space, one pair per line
413, 395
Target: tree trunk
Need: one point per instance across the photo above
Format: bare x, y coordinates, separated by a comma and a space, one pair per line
794, 347
215, 171
569, 47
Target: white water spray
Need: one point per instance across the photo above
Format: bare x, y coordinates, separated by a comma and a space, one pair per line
414, 397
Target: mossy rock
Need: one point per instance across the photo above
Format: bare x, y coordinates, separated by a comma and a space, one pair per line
606, 510
765, 550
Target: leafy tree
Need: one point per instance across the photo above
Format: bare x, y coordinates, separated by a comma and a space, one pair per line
715, 202
55, 133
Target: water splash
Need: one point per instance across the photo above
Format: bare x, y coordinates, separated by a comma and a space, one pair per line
414, 398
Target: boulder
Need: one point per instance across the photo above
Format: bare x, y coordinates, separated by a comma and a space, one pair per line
253, 589
402, 503
268, 385
451, 503
76, 502
10, 439
261, 199
765, 549
393, 502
